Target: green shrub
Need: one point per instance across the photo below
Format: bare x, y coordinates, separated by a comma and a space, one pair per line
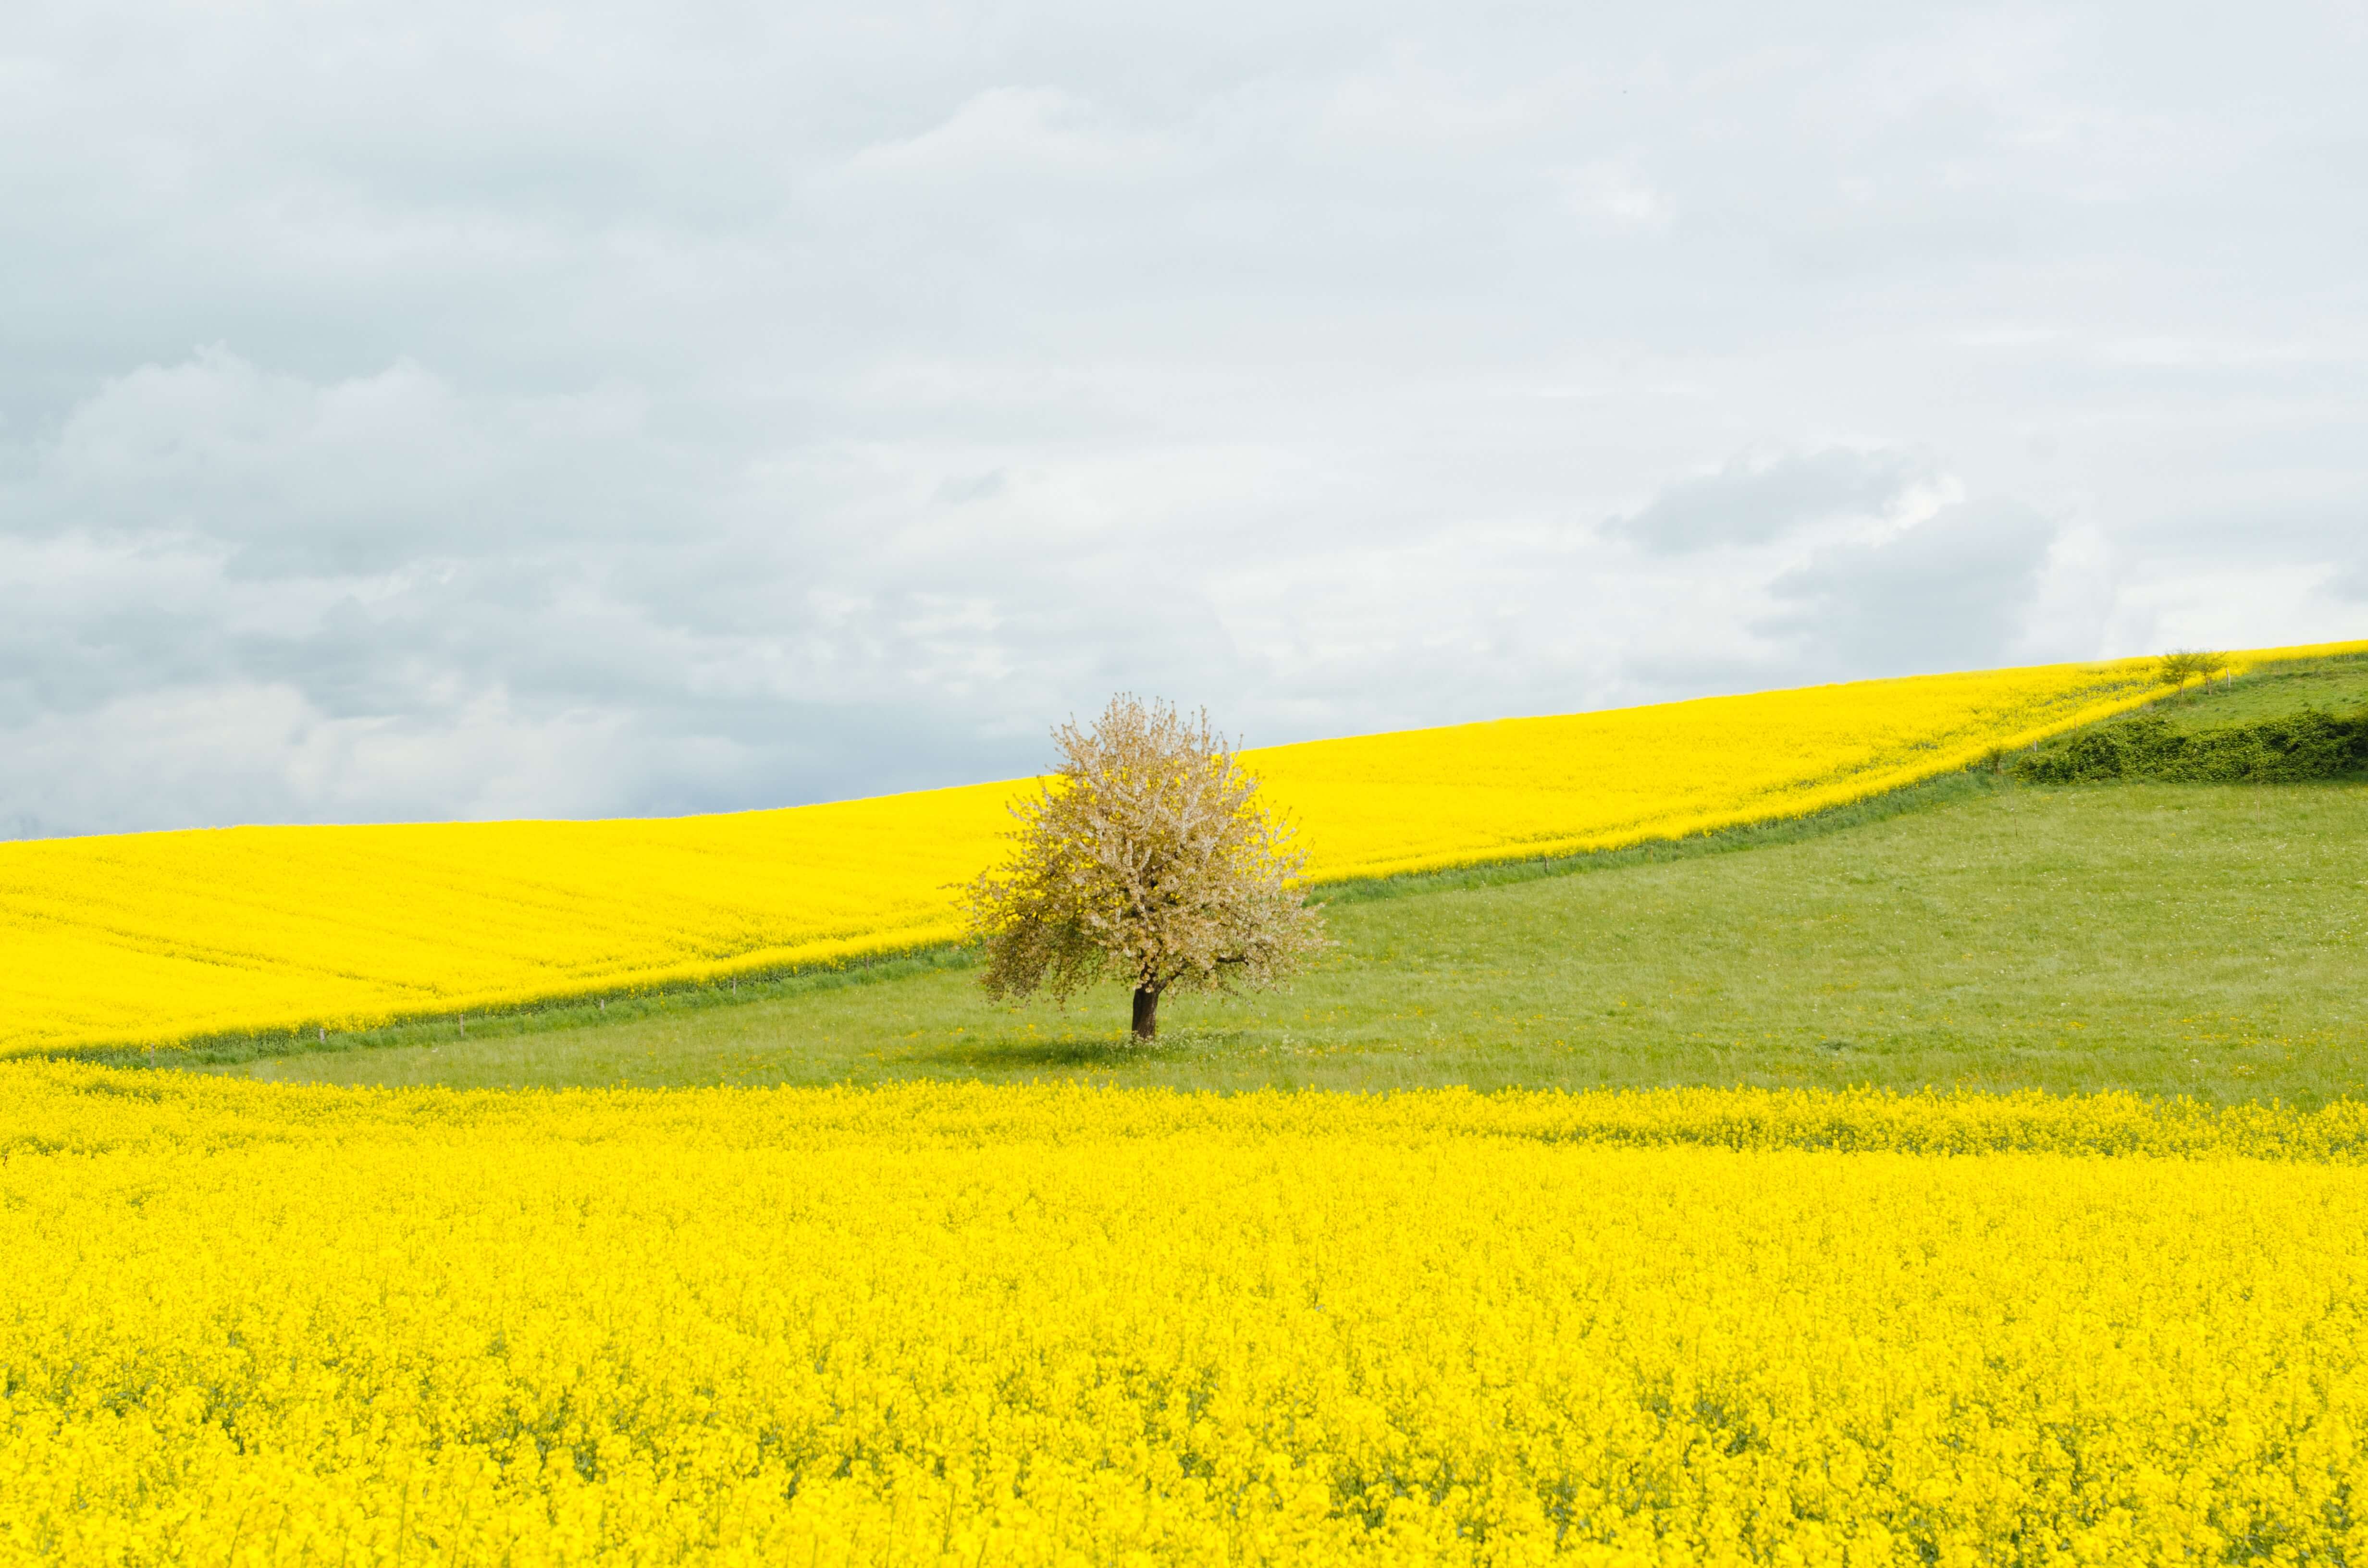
2297, 746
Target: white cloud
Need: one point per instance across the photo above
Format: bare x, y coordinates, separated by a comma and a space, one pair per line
1613, 193
1005, 131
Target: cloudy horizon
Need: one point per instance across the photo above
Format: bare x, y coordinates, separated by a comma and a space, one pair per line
435, 412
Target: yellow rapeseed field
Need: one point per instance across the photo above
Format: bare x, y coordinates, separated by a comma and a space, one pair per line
246, 1324
169, 937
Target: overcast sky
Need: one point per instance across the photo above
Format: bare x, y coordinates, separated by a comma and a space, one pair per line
431, 409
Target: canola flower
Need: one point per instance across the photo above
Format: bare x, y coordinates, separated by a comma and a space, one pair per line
165, 938
248, 1325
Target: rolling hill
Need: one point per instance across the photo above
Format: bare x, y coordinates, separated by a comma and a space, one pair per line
1970, 931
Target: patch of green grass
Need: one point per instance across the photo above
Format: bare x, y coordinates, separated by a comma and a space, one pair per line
594, 1011
2162, 938
2335, 685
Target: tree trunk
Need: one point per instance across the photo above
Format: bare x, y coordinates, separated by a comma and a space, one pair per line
1146, 1012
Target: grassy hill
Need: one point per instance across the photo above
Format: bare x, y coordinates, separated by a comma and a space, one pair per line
2333, 684
1972, 932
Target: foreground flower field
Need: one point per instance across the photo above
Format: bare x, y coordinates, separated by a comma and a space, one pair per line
153, 938
959, 1325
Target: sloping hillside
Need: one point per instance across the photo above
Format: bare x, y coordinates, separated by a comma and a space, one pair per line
166, 937
2170, 939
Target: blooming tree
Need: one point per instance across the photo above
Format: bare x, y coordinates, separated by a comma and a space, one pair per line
1145, 858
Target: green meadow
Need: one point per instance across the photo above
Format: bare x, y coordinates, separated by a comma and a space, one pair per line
1975, 932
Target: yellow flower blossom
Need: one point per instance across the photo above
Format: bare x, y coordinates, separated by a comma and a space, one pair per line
248, 1325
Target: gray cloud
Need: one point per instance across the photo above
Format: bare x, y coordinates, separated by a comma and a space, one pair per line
428, 411
1953, 592
1754, 502
359, 474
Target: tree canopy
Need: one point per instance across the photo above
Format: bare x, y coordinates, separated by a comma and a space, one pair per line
1147, 857
2179, 666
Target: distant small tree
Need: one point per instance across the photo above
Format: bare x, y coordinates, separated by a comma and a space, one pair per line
2175, 669
2179, 666
1145, 858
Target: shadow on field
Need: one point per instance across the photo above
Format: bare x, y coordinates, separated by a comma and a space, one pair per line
1115, 1052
